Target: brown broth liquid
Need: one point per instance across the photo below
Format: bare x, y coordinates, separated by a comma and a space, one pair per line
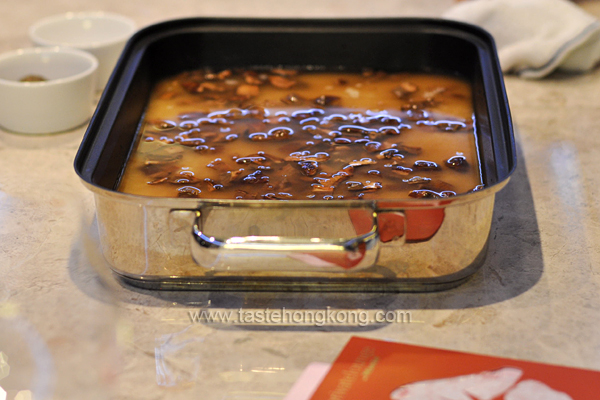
305, 135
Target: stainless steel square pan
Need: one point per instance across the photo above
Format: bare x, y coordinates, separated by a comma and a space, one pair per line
384, 245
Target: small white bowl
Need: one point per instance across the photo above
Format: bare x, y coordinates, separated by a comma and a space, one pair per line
61, 102
102, 34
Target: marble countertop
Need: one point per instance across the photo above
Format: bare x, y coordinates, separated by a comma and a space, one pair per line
78, 334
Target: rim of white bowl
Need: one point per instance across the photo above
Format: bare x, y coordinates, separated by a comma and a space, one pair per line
46, 50
33, 35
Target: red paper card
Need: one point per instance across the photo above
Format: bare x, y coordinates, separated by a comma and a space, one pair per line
377, 370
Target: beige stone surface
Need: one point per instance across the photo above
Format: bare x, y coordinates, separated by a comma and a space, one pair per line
68, 336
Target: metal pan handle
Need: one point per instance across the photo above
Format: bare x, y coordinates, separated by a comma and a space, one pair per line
285, 238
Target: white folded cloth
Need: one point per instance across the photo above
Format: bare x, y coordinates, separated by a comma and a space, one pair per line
535, 37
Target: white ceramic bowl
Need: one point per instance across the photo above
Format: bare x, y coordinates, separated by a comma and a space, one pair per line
102, 34
61, 102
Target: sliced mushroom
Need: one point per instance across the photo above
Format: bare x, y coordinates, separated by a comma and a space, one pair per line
251, 78
389, 154
306, 156
457, 162
329, 184
188, 191
417, 180
372, 146
424, 193
423, 165
224, 74
359, 186
361, 162
210, 87
404, 90
281, 82
401, 170
247, 90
